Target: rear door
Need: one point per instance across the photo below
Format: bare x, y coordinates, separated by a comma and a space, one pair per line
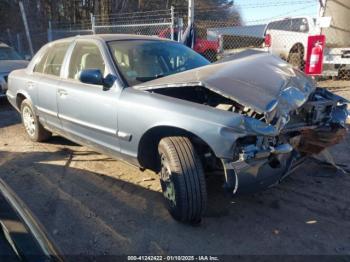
88, 113
49, 70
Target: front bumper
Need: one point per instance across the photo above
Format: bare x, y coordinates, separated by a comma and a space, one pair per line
264, 161
254, 175
268, 168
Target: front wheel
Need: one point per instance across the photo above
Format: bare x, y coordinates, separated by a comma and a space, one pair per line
33, 127
182, 179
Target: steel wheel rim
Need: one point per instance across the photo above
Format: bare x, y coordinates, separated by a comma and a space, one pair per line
167, 184
29, 121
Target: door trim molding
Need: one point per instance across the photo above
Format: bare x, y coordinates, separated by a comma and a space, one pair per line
47, 111
88, 125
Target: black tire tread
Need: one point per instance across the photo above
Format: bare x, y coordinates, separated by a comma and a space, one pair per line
296, 58
185, 162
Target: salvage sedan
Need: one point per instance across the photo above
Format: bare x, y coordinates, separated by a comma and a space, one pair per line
159, 105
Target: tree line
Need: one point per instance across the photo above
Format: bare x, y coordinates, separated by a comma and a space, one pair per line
39, 12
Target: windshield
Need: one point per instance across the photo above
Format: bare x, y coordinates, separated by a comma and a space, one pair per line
7, 53
144, 60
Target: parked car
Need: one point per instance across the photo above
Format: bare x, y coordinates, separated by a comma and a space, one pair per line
207, 48
159, 105
9, 60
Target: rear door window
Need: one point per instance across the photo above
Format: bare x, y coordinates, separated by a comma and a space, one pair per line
51, 62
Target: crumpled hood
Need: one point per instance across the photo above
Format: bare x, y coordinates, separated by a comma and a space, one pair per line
7, 66
260, 81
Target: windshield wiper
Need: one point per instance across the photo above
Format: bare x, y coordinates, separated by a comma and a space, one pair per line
149, 78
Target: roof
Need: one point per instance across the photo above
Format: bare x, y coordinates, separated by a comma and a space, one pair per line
113, 37
247, 30
289, 17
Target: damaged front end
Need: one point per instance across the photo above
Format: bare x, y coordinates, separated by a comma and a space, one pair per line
285, 117
263, 161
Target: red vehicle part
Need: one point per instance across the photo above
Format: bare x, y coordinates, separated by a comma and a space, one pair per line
314, 58
207, 48
268, 40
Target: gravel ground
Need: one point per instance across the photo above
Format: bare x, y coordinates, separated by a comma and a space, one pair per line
93, 205
340, 84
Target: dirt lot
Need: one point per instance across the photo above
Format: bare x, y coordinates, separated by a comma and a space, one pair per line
93, 205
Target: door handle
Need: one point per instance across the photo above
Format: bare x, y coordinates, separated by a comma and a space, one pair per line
62, 92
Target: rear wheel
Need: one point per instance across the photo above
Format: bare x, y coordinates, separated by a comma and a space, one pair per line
182, 179
33, 127
296, 58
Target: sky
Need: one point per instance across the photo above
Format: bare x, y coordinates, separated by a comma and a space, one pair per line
261, 11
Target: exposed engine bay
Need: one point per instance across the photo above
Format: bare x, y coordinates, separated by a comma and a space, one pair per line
204, 96
319, 123
323, 113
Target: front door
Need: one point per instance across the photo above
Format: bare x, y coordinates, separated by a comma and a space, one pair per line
87, 112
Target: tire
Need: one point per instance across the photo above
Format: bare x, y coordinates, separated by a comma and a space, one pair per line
296, 58
32, 126
182, 179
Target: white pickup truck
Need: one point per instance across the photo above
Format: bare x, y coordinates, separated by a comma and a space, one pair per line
288, 38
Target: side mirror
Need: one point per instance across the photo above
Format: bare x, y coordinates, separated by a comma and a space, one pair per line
27, 57
95, 77
91, 76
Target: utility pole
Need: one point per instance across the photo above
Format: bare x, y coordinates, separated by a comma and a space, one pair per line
190, 12
321, 8
49, 32
9, 36
172, 22
93, 23
24, 17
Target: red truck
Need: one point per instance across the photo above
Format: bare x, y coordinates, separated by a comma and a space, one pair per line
207, 48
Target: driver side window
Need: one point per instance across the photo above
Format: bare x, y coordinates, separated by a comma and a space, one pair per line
85, 56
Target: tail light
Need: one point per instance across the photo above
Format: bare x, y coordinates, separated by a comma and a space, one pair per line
268, 40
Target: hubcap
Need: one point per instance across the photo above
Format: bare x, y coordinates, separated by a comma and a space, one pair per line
28, 121
166, 182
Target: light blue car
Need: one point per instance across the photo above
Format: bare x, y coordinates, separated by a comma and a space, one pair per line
159, 105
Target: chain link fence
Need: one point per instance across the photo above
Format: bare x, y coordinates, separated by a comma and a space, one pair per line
216, 36
157, 23
286, 37
62, 30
